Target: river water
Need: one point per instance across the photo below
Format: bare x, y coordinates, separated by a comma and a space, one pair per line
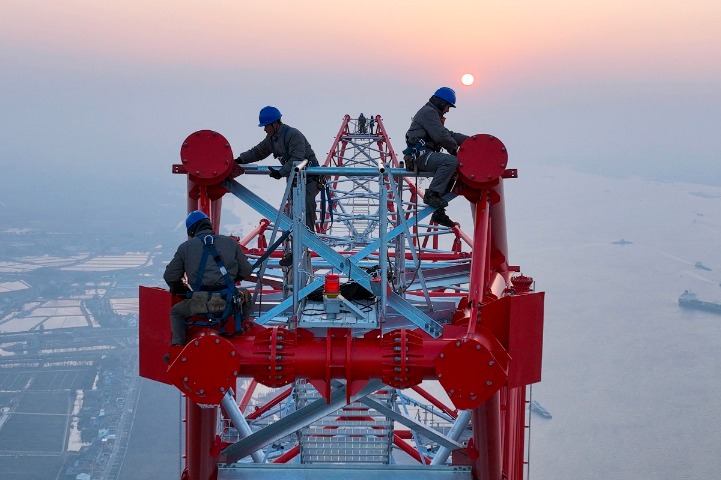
632, 380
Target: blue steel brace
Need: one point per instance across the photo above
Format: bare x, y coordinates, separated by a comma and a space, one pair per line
335, 259
300, 232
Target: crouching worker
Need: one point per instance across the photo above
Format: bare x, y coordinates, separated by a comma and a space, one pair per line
212, 265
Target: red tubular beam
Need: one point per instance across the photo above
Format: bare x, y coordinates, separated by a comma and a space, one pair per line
486, 426
384, 134
200, 435
406, 447
498, 231
479, 266
201, 422
289, 455
245, 401
401, 358
279, 398
343, 129
434, 401
258, 230
327, 357
514, 431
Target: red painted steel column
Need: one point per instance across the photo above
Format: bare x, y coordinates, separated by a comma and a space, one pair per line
200, 433
479, 258
486, 425
514, 425
208, 159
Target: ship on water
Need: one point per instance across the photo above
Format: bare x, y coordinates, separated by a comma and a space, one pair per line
540, 409
688, 299
701, 266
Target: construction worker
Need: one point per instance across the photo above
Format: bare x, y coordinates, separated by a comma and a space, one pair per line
362, 124
288, 145
212, 265
425, 138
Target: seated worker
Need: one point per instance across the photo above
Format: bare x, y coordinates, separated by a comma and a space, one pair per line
204, 273
425, 138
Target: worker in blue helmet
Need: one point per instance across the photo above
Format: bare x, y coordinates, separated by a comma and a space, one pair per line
289, 146
210, 282
425, 138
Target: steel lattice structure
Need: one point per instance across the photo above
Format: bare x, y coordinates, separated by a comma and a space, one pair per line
391, 345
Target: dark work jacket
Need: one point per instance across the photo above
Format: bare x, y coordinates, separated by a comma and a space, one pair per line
426, 125
187, 260
288, 145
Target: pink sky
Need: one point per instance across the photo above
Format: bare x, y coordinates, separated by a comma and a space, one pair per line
495, 39
539, 66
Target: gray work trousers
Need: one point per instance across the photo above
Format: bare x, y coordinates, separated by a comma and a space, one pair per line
442, 165
178, 316
311, 191
182, 311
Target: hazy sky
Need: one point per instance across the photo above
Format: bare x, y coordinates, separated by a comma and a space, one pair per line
110, 89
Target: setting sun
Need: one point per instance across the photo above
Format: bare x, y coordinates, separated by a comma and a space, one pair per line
467, 79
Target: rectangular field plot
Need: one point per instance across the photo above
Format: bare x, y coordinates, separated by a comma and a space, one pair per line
104, 263
124, 306
34, 433
14, 381
59, 402
67, 321
63, 379
30, 467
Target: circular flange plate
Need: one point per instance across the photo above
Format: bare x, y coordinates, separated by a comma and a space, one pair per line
207, 157
481, 159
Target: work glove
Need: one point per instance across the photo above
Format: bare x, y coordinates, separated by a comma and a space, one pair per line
178, 288
274, 173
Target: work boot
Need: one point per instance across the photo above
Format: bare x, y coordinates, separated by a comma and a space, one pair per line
433, 199
440, 217
287, 260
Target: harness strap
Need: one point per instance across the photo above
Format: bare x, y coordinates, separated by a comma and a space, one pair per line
325, 197
229, 292
416, 150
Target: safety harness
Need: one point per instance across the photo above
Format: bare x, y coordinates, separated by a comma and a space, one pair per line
233, 299
326, 200
413, 153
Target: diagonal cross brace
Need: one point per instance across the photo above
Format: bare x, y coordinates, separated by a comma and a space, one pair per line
337, 261
296, 420
412, 424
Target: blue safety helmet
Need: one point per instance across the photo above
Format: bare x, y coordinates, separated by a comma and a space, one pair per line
268, 115
194, 218
447, 94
